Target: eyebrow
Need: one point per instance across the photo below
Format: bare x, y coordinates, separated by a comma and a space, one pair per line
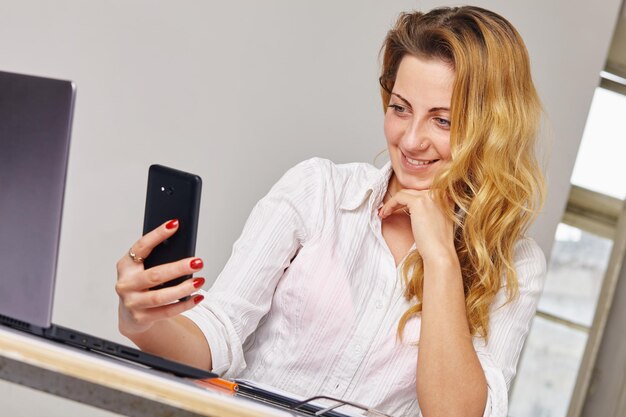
432, 110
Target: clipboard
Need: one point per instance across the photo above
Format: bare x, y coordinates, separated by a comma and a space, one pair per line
304, 406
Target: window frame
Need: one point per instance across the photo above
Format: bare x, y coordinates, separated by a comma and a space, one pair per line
605, 216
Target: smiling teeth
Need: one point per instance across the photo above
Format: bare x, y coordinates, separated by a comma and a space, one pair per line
418, 163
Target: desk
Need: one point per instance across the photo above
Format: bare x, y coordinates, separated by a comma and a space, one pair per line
112, 385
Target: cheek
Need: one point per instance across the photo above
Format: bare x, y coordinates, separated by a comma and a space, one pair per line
445, 151
393, 130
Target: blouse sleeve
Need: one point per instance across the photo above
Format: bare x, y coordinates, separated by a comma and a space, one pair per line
509, 325
242, 294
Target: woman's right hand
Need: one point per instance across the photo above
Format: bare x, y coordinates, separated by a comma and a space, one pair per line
140, 307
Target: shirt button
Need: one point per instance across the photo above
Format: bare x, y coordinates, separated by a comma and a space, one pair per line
357, 348
379, 304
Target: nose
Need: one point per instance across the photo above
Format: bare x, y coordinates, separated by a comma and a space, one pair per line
415, 138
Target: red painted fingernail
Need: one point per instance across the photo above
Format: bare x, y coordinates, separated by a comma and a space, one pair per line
198, 282
196, 263
172, 224
198, 298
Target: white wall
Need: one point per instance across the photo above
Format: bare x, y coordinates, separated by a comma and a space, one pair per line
238, 92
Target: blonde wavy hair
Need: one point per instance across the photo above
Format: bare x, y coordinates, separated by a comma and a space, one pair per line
493, 178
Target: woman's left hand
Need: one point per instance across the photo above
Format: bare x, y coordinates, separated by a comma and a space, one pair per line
433, 231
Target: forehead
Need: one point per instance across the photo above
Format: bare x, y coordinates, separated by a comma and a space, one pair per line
425, 80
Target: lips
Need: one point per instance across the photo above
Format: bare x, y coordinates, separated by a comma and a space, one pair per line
420, 162
417, 165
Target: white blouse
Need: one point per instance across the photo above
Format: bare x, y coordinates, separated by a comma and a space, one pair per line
310, 298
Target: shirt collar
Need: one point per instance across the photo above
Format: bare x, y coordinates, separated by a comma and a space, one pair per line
373, 185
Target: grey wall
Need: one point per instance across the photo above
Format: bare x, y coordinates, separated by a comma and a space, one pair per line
617, 51
238, 92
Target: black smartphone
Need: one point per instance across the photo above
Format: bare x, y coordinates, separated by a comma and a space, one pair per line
172, 194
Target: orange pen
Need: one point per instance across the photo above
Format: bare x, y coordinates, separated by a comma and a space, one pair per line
220, 383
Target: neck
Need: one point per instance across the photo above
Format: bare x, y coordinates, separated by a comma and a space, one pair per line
392, 187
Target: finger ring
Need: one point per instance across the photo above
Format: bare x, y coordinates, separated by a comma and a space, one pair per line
134, 257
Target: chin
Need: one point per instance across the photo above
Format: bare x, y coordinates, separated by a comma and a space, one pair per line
411, 183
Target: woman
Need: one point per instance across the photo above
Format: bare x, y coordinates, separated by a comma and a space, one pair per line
409, 288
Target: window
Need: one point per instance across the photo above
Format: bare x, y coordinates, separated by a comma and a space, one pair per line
600, 163
548, 369
553, 356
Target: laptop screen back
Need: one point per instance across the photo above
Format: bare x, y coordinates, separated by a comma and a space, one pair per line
35, 123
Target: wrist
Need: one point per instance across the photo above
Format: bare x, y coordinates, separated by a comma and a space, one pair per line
133, 332
443, 257
128, 327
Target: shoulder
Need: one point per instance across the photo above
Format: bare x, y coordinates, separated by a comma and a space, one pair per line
528, 254
314, 189
530, 264
325, 172
326, 166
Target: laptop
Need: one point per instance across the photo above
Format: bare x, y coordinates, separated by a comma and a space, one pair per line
35, 124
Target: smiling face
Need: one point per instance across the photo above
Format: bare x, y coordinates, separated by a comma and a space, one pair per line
417, 122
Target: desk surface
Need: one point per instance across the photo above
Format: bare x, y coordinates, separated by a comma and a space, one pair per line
113, 385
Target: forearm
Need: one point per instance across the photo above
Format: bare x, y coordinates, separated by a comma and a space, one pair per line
178, 339
450, 379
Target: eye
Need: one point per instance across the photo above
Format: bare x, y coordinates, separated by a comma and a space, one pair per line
444, 123
398, 109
